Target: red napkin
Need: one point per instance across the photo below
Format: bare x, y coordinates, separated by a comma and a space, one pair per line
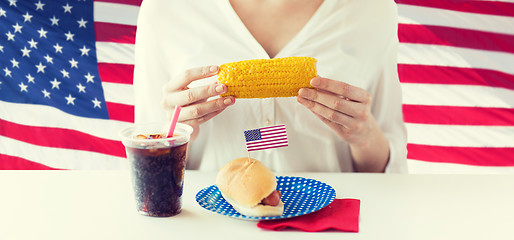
341, 214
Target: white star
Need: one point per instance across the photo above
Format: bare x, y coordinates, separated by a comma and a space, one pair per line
82, 23
7, 72
65, 74
27, 17
30, 78
81, 88
39, 5
96, 103
40, 67
89, 77
67, 8
42, 33
33, 44
55, 21
58, 48
1, 48
69, 36
15, 64
70, 100
49, 59
23, 87
2, 13
12, 3
10, 36
55, 83
74, 64
26, 52
17, 28
46, 93
84, 51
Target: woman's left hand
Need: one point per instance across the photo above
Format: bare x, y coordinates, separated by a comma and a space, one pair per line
343, 107
347, 110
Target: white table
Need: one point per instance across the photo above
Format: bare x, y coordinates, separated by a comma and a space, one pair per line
100, 205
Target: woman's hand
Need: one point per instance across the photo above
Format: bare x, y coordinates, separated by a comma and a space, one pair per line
347, 110
195, 107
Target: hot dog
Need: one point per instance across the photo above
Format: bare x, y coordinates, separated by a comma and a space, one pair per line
273, 199
250, 187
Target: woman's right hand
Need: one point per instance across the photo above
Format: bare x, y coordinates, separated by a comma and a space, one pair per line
195, 107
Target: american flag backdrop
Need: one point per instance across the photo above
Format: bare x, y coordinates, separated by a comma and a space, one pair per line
65, 82
456, 66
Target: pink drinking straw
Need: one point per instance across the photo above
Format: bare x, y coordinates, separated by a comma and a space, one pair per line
174, 120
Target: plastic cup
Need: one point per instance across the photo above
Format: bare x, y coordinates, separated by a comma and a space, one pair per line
157, 166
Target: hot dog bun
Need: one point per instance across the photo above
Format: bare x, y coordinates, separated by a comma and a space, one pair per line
244, 183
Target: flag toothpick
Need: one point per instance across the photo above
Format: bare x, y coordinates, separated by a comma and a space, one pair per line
266, 138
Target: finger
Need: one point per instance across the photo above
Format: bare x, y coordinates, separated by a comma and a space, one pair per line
200, 110
351, 108
192, 95
185, 78
341, 88
327, 113
341, 130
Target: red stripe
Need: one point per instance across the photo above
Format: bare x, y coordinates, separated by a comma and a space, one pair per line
118, 33
451, 115
61, 138
477, 156
410, 73
266, 143
457, 37
482, 7
16, 163
120, 112
255, 149
129, 2
116, 73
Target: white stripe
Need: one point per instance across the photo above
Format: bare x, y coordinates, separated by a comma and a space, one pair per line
118, 93
410, 53
409, 14
39, 115
61, 158
109, 52
457, 95
460, 136
422, 167
115, 13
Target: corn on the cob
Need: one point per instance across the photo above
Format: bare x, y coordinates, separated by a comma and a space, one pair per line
264, 78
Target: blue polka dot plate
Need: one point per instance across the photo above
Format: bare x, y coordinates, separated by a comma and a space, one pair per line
300, 196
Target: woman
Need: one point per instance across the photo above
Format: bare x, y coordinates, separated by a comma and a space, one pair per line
351, 122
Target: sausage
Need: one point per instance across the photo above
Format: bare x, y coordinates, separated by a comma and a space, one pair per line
273, 199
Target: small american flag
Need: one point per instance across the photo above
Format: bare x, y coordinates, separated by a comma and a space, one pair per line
266, 138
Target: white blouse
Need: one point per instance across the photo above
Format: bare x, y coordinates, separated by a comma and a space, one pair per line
354, 41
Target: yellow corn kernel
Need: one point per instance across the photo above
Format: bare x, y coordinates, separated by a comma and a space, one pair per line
265, 78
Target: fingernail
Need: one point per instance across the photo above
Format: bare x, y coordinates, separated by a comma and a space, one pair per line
300, 92
315, 81
213, 69
227, 101
219, 88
